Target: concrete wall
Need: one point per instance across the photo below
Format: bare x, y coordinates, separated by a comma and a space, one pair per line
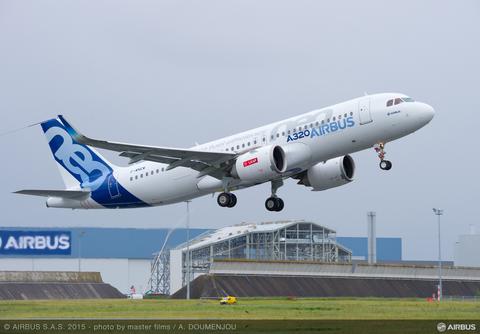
467, 251
340, 270
215, 286
120, 273
50, 276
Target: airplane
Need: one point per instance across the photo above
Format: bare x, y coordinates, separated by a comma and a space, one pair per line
313, 148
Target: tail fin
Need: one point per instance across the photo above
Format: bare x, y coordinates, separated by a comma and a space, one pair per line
80, 165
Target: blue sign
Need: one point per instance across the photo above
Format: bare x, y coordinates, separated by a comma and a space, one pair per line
35, 242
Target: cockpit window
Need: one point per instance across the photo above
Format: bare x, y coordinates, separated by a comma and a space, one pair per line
398, 101
408, 99
389, 103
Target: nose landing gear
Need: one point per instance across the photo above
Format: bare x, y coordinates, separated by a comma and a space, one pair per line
384, 164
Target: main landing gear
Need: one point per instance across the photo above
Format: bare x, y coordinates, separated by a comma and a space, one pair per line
275, 203
384, 164
227, 200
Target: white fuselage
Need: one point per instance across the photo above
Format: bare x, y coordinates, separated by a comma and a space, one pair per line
374, 123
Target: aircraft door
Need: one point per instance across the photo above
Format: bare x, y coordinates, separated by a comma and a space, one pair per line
113, 187
364, 111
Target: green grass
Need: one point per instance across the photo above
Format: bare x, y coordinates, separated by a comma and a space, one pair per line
279, 308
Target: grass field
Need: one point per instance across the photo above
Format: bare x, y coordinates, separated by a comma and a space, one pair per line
281, 308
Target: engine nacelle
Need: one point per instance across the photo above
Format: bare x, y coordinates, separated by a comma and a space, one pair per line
297, 156
259, 165
330, 174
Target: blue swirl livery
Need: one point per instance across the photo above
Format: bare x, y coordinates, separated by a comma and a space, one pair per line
83, 168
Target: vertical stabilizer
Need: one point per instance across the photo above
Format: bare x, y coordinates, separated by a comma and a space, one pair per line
80, 166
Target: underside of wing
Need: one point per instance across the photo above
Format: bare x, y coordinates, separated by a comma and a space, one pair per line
206, 162
69, 194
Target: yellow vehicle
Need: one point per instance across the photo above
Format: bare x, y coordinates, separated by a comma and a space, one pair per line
229, 300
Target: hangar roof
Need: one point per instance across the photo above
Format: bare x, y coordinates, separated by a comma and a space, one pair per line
229, 232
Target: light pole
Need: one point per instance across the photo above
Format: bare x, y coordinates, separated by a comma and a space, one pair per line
438, 213
187, 274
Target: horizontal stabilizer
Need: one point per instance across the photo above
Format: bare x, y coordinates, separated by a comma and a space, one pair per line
69, 194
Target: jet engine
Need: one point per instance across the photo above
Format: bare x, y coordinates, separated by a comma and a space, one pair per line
329, 174
269, 162
261, 164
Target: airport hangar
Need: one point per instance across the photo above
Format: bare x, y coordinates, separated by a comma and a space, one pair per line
299, 251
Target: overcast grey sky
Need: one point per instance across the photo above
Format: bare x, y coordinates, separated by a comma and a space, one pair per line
173, 73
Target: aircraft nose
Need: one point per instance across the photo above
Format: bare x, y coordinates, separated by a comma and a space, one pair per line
427, 112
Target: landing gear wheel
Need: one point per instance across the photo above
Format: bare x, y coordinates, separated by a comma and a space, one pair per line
280, 203
227, 200
385, 165
270, 204
233, 201
274, 204
380, 149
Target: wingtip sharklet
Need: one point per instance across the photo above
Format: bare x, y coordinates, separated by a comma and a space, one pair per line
71, 130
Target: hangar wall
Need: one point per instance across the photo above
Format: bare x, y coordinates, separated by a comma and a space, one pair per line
122, 255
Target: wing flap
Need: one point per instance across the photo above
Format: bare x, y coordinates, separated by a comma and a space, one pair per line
69, 194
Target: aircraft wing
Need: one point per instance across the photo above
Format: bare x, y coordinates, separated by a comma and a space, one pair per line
211, 163
70, 194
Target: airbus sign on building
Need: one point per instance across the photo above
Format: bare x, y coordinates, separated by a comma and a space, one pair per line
15, 242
